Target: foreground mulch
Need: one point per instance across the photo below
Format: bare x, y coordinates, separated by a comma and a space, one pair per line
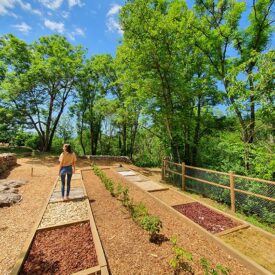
63, 250
127, 246
207, 218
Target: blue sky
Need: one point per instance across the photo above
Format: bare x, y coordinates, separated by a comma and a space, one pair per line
92, 23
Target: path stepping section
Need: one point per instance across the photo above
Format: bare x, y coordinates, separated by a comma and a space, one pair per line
139, 180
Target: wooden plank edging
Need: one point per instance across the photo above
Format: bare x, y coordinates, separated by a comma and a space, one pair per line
231, 230
62, 224
98, 246
92, 270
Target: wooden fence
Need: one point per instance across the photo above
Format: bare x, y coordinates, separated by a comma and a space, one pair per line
231, 177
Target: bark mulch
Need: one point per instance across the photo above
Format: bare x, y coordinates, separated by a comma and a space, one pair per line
61, 250
207, 218
127, 246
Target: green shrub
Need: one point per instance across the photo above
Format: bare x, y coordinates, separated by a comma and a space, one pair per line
180, 262
218, 269
152, 224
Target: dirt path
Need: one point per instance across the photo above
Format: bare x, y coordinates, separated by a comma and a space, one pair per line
117, 229
17, 221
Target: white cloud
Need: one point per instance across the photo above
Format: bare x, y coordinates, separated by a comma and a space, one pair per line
23, 27
113, 26
75, 3
28, 7
5, 5
114, 10
51, 4
65, 14
54, 26
77, 32
112, 21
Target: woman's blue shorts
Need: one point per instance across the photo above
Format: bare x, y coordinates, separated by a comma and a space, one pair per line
66, 170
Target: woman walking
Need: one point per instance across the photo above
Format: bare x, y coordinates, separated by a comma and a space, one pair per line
67, 161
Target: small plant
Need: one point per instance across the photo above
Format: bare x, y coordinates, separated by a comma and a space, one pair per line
119, 190
180, 263
139, 212
208, 270
152, 224
125, 196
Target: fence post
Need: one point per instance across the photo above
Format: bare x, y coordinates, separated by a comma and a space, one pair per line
162, 170
232, 191
183, 176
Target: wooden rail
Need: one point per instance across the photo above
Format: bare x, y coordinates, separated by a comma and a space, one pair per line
231, 177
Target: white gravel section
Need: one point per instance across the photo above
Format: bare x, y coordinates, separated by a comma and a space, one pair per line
64, 212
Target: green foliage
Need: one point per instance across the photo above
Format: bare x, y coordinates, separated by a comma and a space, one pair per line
19, 139
40, 80
139, 212
180, 262
152, 224
217, 270
33, 142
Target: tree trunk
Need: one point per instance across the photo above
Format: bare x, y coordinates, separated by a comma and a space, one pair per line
196, 134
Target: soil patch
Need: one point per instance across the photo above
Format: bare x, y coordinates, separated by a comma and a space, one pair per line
61, 250
260, 247
207, 218
171, 197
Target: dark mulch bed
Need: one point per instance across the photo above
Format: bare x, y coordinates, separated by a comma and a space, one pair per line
63, 250
206, 217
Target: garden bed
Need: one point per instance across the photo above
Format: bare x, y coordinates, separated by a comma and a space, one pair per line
127, 246
62, 250
207, 218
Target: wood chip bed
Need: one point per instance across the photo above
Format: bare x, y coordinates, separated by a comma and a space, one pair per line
209, 219
62, 250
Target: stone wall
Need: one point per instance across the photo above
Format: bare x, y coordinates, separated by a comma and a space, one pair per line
6, 161
108, 159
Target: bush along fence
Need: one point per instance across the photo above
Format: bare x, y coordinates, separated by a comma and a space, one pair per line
249, 195
139, 212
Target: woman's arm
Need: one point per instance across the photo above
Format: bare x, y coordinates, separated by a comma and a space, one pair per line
60, 163
74, 161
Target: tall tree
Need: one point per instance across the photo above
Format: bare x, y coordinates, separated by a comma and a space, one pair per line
40, 81
216, 29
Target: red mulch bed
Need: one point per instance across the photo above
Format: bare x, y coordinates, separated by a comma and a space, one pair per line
206, 217
61, 250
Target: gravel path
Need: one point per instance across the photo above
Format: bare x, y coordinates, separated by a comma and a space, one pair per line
64, 212
121, 236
